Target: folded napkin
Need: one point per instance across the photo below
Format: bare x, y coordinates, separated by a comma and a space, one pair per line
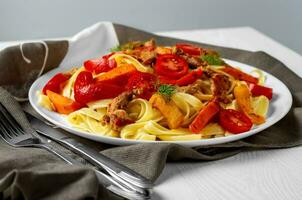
36, 174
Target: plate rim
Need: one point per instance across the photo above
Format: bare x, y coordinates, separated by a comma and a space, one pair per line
187, 143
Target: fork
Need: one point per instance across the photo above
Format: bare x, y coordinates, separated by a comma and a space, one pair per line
12, 133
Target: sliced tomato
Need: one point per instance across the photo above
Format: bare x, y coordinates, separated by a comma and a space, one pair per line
56, 83
100, 65
144, 82
189, 49
234, 121
171, 66
258, 90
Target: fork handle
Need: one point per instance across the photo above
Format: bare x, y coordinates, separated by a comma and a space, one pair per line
106, 180
64, 157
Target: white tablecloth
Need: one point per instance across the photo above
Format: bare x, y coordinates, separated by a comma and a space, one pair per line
269, 174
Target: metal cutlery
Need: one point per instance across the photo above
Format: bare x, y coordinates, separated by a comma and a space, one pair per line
122, 173
12, 133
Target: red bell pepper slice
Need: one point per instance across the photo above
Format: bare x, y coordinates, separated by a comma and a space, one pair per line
189, 49
56, 83
86, 89
100, 65
240, 75
145, 82
187, 79
258, 90
234, 121
171, 66
204, 116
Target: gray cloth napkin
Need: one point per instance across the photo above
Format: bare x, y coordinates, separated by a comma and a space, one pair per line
36, 174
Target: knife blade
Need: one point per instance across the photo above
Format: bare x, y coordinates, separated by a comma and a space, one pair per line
121, 172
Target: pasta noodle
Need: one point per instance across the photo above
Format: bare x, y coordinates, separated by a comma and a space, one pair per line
194, 88
119, 58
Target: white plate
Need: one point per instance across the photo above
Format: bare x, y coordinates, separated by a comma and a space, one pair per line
279, 106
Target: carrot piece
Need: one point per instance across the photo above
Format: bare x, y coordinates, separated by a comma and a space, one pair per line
63, 104
204, 116
236, 73
118, 75
243, 98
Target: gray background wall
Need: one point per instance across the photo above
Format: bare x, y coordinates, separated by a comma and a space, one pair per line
29, 19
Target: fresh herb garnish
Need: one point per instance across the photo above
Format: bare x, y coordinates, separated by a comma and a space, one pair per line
116, 48
212, 60
167, 90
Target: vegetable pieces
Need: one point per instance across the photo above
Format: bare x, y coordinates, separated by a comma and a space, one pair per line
56, 83
86, 89
187, 79
234, 121
243, 99
168, 109
238, 74
204, 116
63, 104
171, 66
258, 90
167, 90
100, 65
119, 75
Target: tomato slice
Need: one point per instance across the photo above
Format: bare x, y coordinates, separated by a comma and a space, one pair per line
234, 121
171, 66
145, 83
189, 49
100, 65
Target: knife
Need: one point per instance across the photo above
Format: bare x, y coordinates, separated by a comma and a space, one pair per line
120, 172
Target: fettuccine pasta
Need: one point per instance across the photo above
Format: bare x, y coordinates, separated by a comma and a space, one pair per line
149, 92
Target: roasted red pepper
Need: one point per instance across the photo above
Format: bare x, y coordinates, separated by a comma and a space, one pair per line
258, 90
171, 66
187, 79
100, 65
189, 49
234, 121
86, 89
236, 73
144, 84
117, 76
205, 115
56, 83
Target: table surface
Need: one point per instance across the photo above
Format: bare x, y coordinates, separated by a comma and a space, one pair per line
269, 174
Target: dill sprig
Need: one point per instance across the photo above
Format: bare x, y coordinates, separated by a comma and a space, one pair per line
116, 48
167, 90
212, 60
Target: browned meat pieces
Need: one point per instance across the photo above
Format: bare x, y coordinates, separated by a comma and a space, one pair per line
144, 52
147, 57
191, 60
116, 115
220, 86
